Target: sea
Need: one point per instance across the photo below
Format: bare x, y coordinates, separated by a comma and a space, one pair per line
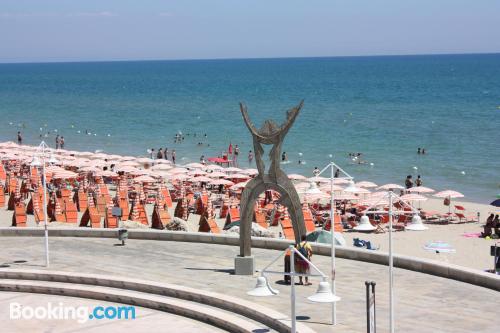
384, 107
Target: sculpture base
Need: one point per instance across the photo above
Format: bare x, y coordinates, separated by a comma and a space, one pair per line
244, 265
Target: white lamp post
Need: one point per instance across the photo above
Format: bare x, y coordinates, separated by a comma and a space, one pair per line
415, 221
36, 163
331, 166
322, 295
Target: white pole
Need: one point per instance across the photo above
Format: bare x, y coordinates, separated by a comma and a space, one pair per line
44, 184
332, 230
391, 286
292, 283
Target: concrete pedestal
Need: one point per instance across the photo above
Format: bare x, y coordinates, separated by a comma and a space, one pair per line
244, 265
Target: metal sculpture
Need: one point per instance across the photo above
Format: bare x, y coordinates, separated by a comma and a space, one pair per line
275, 179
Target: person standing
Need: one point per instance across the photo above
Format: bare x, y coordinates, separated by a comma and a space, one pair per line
316, 172
173, 156
57, 141
236, 153
250, 157
418, 181
160, 154
302, 266
61, 142
408, 182
19, 138
165, 153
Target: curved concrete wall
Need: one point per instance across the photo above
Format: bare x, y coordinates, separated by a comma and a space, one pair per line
432, 267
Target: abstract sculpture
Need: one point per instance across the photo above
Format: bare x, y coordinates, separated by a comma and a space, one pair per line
274, 179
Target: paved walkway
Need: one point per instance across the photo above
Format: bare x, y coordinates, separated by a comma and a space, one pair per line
146, 320
424, 303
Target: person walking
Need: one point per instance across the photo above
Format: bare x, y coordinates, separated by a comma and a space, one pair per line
19, 138
57, 141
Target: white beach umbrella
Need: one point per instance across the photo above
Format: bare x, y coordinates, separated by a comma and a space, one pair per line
449, 194
318, 179
144, 179
126, 169
214, 167
390, 187
221, 182
238, 186
144, 160
161, 167
250, 172
200, 179
295, 176
216, 174
180, 176
232, 169
413, 197
64, 174
194, 166
178, 170
366, 184
420, 189
106, 173
196, 172
89, 169
237, 176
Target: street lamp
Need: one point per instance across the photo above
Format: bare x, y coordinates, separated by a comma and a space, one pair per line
415, 225
36, 163
351, 188
322, 295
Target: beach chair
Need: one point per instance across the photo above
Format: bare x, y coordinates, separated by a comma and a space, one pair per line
91, 218
110, 221
286, 226
123, 204
2, 196
19, 217
166, 197
101, 205
160, 217
208, 224
232, 216
308, 219
3, 174
260, 218
70, 211
81, 200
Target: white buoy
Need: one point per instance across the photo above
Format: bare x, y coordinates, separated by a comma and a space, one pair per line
415, 168
330, 155
78, 132
372, 164
109, 134
463, 172
300, 154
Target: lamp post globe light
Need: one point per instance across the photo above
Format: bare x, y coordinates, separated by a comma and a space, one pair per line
322, 295
40, 153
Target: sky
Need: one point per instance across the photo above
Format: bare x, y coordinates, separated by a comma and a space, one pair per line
95, 30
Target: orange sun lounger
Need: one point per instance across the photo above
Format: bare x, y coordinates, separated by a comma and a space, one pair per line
19, 217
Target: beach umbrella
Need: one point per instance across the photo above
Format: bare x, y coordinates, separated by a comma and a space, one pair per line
495, 203
374, 201
161, 161
145, 160
180, 176
200, 179
318, 179
216, 174
449, 194
439, 247
346, 196
99, 156
144, 179
420, 189
197, 172
250, 172
327, 188
194, 166
161, 167
64, 174
390, 187
366, 184
232, 169
237, 176
127, 158
106, 173
221, 182
126, 169
178, 170
89, 169
238, 186
295, 176
214, 167
413, 197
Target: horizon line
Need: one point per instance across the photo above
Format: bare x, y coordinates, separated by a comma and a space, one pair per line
245, 58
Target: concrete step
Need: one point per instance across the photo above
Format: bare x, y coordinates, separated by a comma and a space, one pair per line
203, 313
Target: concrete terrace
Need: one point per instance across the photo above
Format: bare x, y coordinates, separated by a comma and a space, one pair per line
424, 303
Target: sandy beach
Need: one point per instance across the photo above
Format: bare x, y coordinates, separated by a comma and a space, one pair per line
470, 252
